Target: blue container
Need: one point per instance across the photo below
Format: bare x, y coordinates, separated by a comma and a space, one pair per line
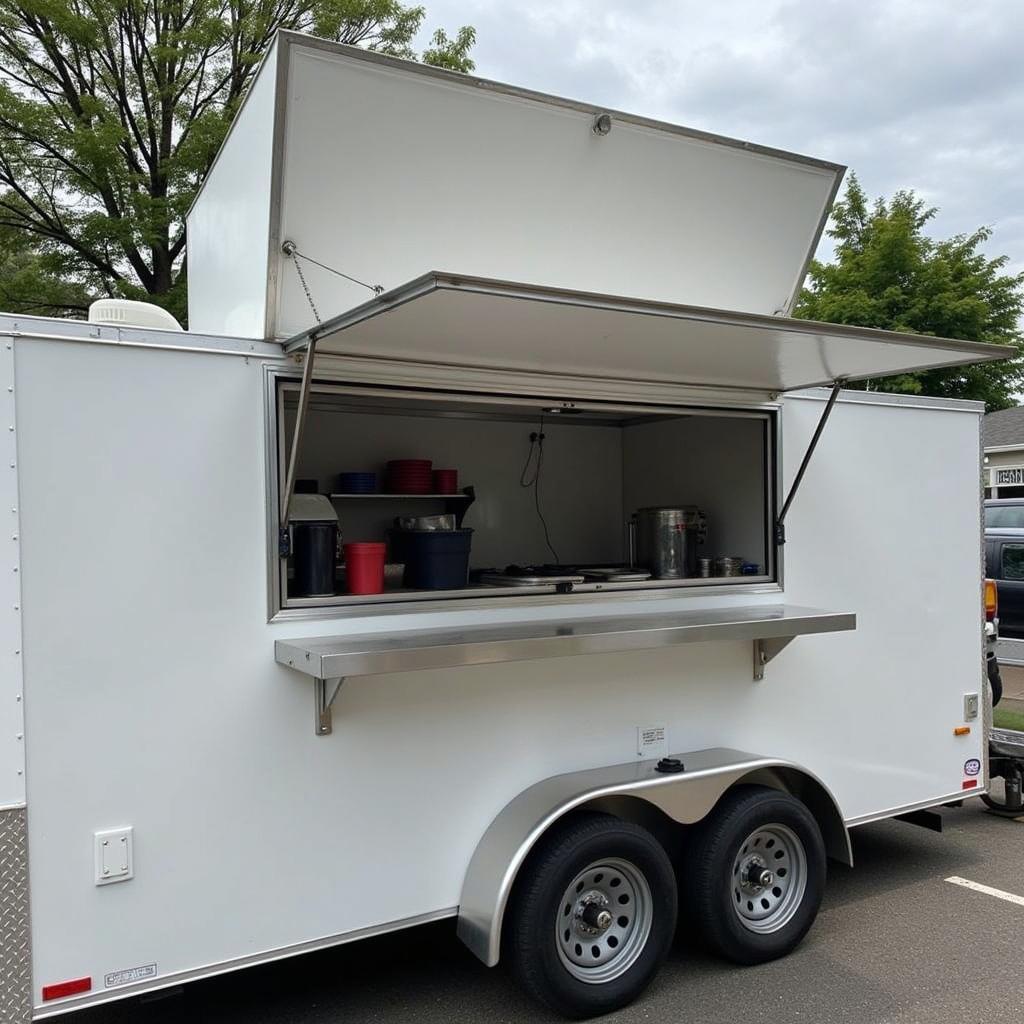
357, 483
434, 559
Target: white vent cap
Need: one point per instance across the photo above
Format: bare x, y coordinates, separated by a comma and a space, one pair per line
129, 313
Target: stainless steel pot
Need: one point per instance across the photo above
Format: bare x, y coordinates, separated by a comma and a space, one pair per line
667, 539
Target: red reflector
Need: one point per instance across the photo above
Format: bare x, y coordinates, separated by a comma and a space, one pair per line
66, 988
969, 783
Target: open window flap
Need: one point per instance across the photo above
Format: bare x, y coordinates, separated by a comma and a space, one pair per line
475, 322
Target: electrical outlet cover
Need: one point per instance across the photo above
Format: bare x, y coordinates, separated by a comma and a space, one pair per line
971, 706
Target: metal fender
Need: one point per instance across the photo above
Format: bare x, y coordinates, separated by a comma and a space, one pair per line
684, 797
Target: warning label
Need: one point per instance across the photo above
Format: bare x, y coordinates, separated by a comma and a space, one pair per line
650, 741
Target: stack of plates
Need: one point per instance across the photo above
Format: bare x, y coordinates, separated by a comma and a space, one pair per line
409, 476
357, 483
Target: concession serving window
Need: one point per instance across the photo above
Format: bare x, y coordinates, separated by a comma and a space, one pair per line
548, 483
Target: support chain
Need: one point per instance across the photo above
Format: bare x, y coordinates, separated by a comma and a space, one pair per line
289, 249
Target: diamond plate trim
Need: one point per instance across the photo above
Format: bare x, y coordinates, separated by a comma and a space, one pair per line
15, 943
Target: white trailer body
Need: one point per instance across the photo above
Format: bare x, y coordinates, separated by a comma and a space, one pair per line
149, 629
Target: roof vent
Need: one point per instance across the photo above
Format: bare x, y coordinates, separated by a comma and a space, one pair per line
129, 313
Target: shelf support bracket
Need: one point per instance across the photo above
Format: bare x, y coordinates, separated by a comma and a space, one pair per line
765, 650
324, 693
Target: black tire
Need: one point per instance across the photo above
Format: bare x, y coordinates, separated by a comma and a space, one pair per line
715, 851
536, 912
995, 680
1001, 807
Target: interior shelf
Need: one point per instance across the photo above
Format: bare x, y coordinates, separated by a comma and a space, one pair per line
457, 496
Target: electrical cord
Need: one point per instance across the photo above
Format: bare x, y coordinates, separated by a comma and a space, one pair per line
526, 480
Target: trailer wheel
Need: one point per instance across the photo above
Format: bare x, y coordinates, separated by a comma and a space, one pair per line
1011, 805
755, 875
592, 915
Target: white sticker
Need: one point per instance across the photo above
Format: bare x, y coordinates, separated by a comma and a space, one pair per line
650, 741
130, 976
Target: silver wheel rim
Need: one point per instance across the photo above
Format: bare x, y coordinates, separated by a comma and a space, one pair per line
603, 921
769, 878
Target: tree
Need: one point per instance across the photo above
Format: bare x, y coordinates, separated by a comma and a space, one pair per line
37, 282
889, 274
111, 112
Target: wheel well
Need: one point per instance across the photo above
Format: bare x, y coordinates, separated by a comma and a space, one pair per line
815, 797
664, 805
643, 813
808, 790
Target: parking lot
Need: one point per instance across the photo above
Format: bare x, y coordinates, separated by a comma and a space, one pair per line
895, 942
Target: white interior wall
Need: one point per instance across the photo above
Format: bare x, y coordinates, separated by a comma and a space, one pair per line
580, 486
593, 479
714, 462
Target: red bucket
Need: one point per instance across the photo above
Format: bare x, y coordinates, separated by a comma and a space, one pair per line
446, 481
364, 567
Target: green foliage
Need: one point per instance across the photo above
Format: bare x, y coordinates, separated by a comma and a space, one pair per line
889, 274
1008, 718
38, 282
111, 112
452, 54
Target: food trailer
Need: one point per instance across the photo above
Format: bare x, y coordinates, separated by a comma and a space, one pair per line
493, 546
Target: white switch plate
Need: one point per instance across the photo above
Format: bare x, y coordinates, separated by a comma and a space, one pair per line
971, 706
113, 855
651, 741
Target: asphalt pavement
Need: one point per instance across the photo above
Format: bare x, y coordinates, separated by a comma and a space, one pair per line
895, 943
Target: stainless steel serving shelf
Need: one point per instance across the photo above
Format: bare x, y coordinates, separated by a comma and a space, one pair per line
331, 660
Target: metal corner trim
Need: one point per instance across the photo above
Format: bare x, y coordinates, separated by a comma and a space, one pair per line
15, 932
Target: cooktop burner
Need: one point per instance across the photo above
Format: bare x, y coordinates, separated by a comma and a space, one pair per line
543, 570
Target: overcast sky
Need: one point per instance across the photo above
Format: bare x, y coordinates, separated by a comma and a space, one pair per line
921, 94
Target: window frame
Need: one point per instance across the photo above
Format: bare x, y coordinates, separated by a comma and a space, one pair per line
280, 607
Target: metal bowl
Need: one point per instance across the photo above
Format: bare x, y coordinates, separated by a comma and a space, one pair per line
441, 522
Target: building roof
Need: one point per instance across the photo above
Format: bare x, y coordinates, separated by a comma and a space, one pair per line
1004, 427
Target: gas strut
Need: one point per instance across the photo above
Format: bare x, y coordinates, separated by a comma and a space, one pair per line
780, 523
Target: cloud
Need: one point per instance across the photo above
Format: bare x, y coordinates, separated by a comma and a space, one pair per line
920, 94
